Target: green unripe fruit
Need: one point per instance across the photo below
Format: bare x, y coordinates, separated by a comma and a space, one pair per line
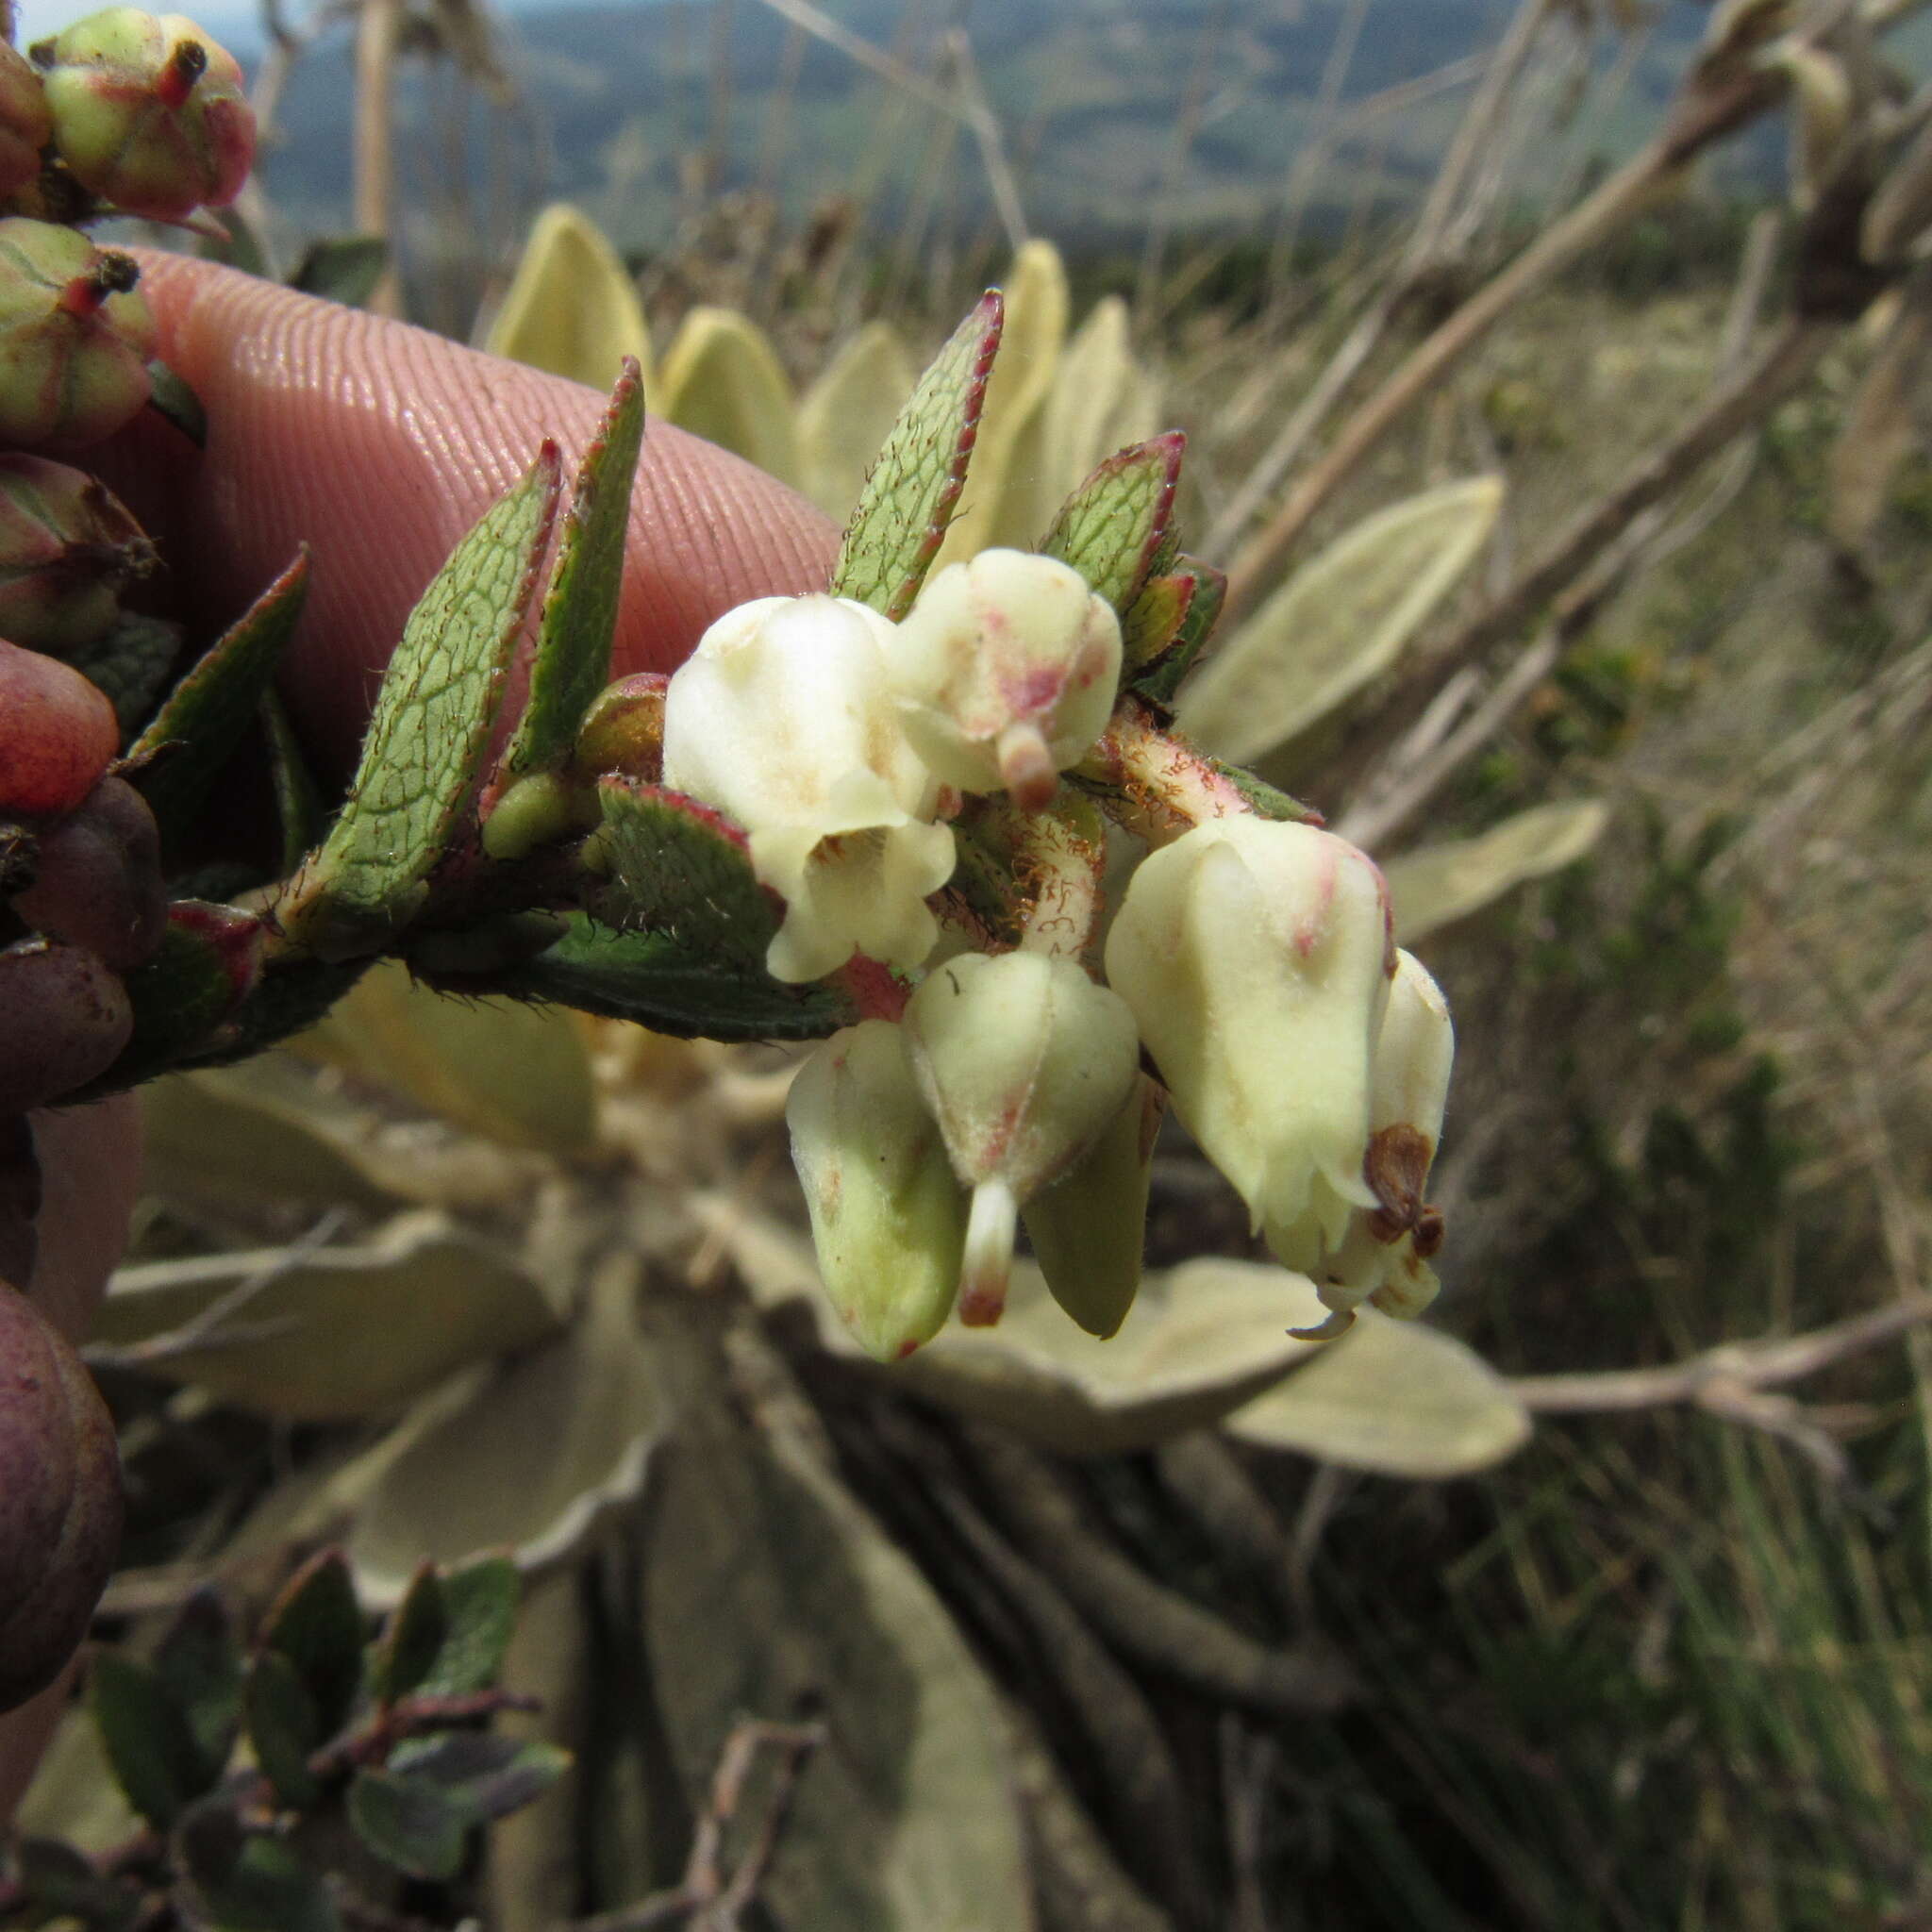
67, 547
75, 338
26, 125
59, 1499
149, 112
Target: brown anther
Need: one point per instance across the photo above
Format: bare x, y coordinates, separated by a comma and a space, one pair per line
112, 273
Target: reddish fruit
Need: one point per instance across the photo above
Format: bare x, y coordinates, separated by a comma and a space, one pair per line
64, 1018
59, 1499
98, 879
67, 548
26, 123
75, 338
57, 734
149, 113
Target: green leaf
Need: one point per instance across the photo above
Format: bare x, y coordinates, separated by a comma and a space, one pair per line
411, 1639
251, 1883
516, 1074
317, 1624
199, 1664
283, 1727
765, 1586
673, 989
485, 1774
676, 866
1154, 620
475, 1480
1162, 672
847, 414
1440, 884
173, 398
206, 965
480, 1601
1112, 527
60, 1885
409, 1824
196, 731
432, 721
333, 1333
146, 1734
1395, 1397
572, 307
298, 803
131, 664
294, 993
1339, 621
573, 659
342, 267
914, 488
721, 380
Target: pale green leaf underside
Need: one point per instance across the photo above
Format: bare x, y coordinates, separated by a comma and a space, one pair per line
1339, 621
848, 413
434, 711
721, 380
902, 515
1440, 884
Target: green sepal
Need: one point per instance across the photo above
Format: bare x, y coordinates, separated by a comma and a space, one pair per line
1268, 800
207, 963
145, 1733
572, 662
651, 978
432, 721
195, 732
1161, 674
316, 1623
1112, 529
915, 486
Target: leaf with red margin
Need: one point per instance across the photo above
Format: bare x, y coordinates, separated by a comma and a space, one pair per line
1113, 528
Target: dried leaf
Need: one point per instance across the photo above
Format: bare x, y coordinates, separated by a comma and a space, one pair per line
1881, 425
1399, 1398
845, 416
1899, 213
914, 490
1440, 884
765, 1585
721, 380
572, 309
1339, 621
337, 1332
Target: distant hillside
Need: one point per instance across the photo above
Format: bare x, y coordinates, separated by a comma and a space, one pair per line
619, 102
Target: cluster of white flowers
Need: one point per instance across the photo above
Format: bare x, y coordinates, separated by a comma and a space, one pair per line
1253, 958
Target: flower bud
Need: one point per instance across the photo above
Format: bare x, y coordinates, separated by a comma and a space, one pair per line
64, 1018
57, 732
67, 547
888, 1218
1008, 667
149, 113
1384, 1257
623, 730
98, 879
75, 338
1025, 1061
782, 720
59, 1499
25, 125
1256, 958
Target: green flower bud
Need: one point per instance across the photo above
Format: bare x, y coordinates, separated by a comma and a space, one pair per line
26, 123
1024, 1061
67, 547
75, 338
149, 113
888, 1218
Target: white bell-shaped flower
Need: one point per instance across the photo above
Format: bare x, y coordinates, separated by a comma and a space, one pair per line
1257, 957
782, 718
1008, 667
1025, 1061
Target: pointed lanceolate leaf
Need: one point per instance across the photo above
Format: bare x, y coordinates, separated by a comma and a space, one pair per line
675, 866
1153, 621
653, 979
412, 1639
146, 1735
914, 488
315, 1623
207, 963
573, 661
432, 721
480, 1605
298, 802
199, 1664
195, 732
1163, 669
1112, 527
283, 1727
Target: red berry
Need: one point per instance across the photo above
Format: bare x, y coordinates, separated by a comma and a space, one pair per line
59, 1499
57, 734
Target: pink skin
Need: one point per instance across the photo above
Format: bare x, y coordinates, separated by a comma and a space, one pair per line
381, 446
